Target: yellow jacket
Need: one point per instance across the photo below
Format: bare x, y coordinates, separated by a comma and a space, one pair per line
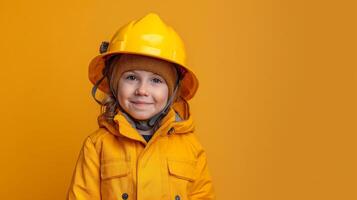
116, 163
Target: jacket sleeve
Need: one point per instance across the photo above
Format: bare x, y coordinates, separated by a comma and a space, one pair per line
202, 187
85, 183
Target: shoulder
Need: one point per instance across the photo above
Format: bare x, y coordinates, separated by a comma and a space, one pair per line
98, 137
186, 143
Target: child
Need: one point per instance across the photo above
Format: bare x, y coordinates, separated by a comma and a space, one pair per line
145, 147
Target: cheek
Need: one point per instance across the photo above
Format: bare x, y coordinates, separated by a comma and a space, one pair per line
161, 95
124, 91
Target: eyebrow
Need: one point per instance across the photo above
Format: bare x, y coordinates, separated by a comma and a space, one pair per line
136, 72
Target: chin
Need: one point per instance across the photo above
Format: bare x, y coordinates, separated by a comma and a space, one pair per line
141, 116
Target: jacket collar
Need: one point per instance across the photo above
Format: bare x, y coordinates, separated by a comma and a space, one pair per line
177, 121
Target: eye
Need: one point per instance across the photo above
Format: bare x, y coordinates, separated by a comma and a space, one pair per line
130, 77
157, 80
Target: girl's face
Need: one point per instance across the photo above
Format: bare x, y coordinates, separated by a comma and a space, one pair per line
142, 94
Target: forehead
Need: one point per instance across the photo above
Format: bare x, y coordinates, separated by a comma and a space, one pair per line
139, 62
140, 72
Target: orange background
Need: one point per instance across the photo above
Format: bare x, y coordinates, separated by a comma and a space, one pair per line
276, 109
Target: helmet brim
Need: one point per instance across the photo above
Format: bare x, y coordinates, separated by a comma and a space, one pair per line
189, 83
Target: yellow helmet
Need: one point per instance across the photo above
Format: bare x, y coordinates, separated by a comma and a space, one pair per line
148, 36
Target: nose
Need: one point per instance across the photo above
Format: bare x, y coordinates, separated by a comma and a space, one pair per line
141, 90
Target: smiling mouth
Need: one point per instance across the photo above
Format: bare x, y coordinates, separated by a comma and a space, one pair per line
140, 103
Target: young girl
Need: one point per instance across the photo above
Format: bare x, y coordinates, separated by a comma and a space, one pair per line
145, 147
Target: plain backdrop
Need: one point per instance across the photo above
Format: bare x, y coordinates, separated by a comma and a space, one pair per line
276, 109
